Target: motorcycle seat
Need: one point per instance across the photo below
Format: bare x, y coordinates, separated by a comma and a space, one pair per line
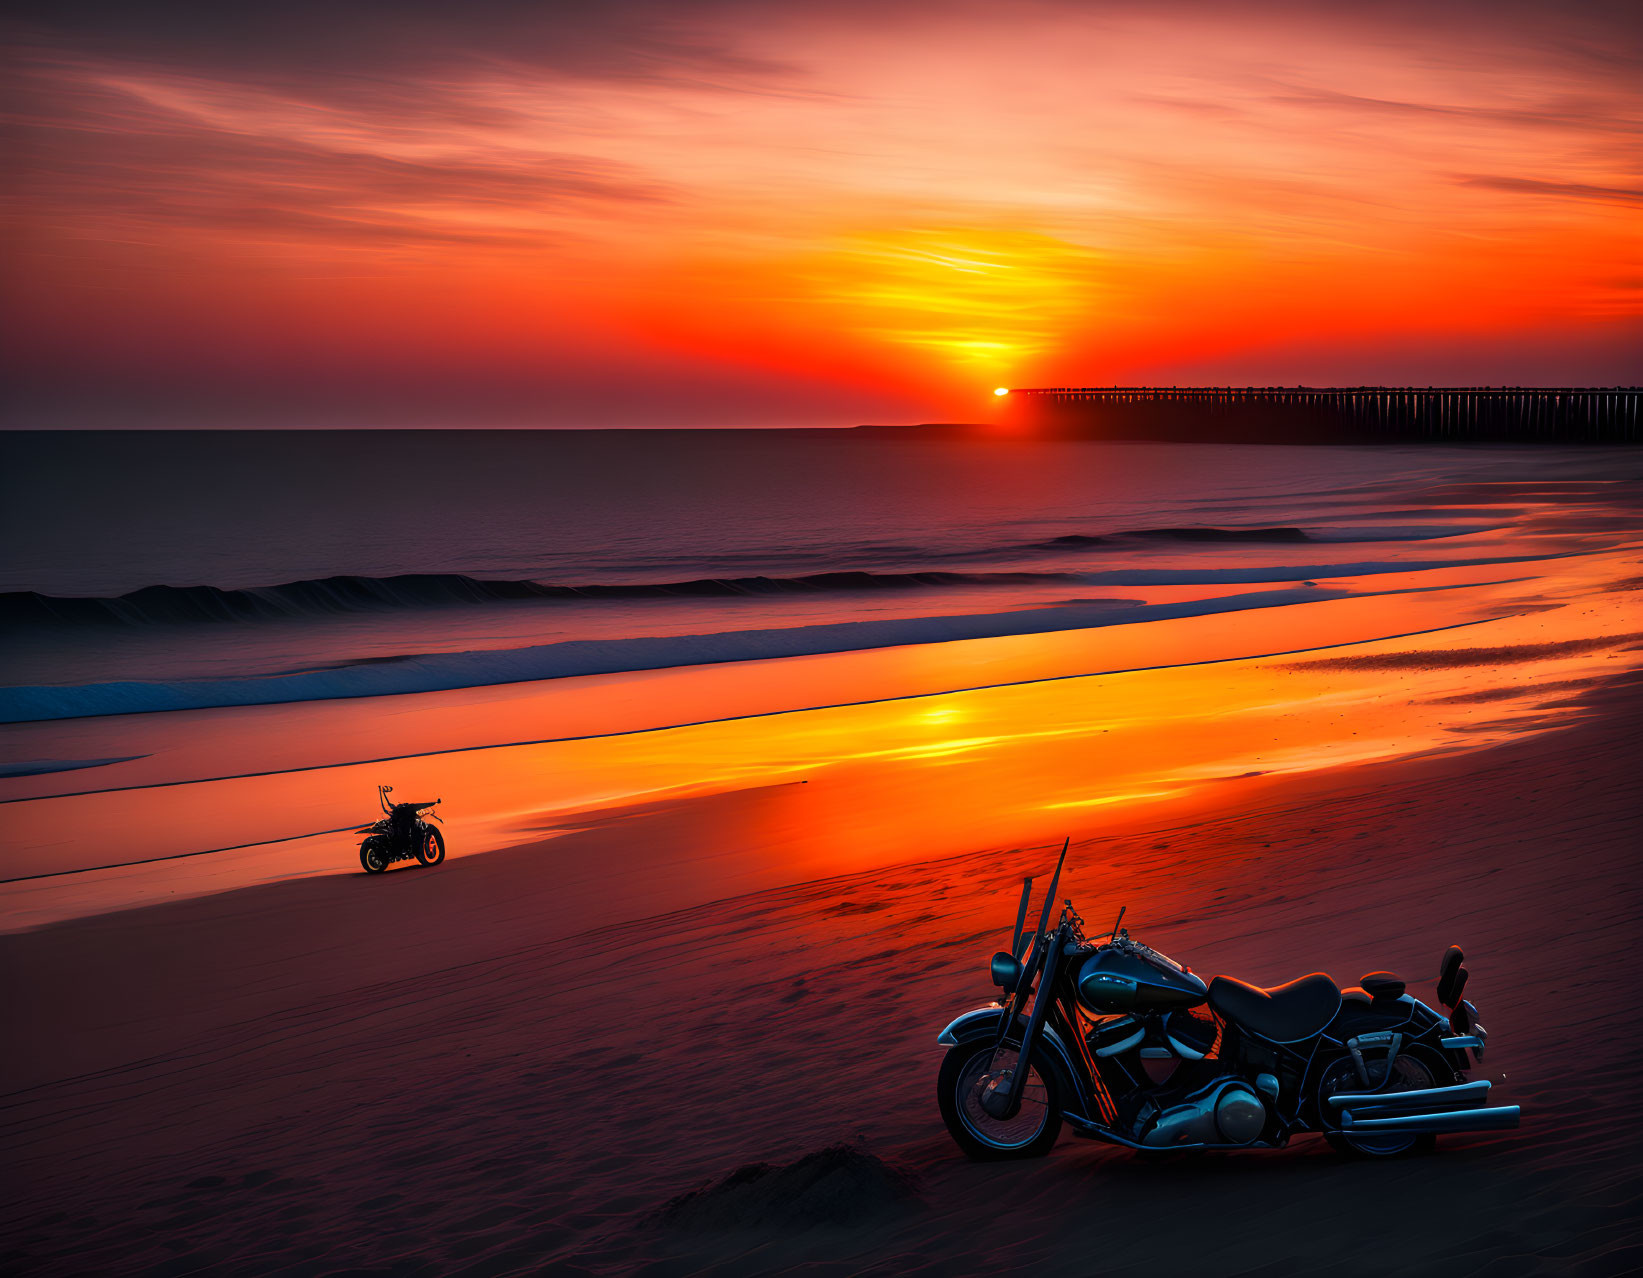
1285, 1013
1382, 985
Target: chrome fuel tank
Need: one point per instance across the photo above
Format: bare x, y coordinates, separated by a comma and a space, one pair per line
1126, 976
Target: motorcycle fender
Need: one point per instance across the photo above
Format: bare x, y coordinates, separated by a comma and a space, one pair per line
971, 1025
983, 1023
1408, 1014
1430, 1027
1405, 1013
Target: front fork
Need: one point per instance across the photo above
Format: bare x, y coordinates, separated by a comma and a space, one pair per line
1002, 1099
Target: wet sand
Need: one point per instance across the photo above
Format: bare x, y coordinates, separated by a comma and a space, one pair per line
406, 1076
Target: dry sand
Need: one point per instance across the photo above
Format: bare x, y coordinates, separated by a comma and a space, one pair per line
401, 1077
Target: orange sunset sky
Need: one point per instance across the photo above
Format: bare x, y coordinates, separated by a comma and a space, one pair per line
803, 214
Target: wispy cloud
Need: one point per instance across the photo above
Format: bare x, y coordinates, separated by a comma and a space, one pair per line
1555, 190
1582, 114
347, 49
158, 150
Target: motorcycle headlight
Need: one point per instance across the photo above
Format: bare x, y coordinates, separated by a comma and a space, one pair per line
1005, 970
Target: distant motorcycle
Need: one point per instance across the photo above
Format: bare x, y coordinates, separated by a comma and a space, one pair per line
401, 835
1131, 1048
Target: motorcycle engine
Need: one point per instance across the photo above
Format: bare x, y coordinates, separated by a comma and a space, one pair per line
1226, 1112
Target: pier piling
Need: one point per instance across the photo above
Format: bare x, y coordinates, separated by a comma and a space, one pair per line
1354, 414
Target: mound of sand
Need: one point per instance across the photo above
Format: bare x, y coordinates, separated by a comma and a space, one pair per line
840, 1185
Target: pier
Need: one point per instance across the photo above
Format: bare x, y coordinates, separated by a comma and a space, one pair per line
1353, 414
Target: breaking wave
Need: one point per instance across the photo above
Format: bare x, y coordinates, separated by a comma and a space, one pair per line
441, 671
332, 596
344, 595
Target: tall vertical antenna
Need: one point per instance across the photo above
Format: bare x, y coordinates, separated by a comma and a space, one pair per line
1021, 915
1049, 898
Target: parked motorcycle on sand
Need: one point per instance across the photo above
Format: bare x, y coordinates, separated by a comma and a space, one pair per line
401, 835
1129, 1047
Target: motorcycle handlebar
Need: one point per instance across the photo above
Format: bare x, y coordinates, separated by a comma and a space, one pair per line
382, 798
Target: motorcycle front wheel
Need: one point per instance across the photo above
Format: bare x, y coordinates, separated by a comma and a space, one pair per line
965, 1072
431, 851
373, 856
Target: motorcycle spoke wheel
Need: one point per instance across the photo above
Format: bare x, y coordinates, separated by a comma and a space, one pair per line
1409, 1074
1015, 1132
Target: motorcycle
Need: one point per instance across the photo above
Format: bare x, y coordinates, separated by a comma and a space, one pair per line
1126, 1046
401, 835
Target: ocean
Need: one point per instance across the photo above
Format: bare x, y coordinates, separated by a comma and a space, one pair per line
154, 572
188, 612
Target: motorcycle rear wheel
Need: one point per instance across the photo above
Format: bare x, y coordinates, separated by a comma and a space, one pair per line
373, 856
1029, 1134
431, 851
1417, 1068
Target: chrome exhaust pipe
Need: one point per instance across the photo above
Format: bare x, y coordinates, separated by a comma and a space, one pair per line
1458, 1096
1499, 1118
